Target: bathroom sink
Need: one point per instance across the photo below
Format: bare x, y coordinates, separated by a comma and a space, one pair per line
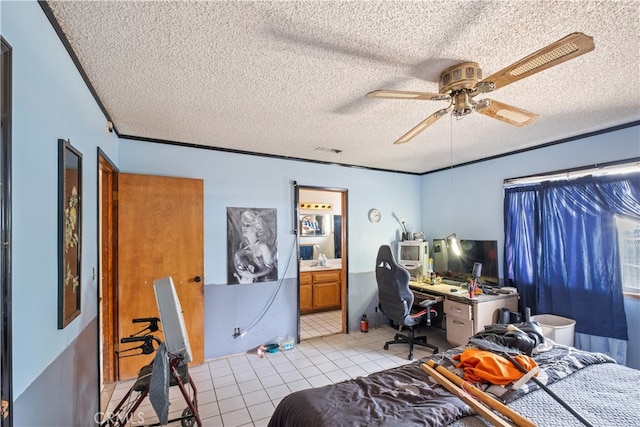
320, 267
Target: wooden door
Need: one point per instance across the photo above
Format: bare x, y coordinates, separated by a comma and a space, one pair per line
160, 234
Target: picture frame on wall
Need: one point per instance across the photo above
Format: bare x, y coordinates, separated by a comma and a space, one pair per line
69, 232
252, 245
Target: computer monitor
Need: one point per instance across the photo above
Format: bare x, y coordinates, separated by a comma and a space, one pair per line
414, 256
461, 267
174, 329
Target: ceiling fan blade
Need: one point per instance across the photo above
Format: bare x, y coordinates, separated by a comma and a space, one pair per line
508, 113
569, 47
422, 125
401, 94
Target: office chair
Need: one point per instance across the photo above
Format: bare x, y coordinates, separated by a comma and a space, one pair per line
396, 301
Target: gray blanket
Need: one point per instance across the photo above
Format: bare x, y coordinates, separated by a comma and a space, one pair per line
406, 396
399, 396
605, 395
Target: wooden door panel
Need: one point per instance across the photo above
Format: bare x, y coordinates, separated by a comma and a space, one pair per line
160, 234
306, 298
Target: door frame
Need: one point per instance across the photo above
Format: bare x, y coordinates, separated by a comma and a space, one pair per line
107, 269
344, 288
6, 328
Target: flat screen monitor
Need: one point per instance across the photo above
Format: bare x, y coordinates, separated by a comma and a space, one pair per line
174, 329
447, 264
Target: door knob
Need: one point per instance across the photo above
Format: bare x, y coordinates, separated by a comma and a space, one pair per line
197, 279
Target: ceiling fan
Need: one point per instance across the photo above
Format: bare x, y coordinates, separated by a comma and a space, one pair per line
460, 83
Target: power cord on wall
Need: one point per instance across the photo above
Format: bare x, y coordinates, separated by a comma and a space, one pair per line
238, 332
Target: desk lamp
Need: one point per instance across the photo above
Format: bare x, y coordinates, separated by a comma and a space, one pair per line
452, 241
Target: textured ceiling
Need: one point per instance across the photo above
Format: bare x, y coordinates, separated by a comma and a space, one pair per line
286, 77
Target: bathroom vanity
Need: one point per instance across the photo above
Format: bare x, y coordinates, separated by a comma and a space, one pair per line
320, 287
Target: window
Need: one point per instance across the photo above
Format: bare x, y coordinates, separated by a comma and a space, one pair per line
629, 244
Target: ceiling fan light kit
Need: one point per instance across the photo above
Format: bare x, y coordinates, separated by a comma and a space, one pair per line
460, 83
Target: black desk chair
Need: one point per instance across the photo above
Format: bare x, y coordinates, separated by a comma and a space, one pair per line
396, 301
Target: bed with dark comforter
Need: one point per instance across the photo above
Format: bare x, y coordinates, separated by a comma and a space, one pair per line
603, 392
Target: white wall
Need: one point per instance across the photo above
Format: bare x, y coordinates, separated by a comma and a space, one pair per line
50, 101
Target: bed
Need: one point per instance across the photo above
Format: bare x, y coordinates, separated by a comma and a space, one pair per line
592, 384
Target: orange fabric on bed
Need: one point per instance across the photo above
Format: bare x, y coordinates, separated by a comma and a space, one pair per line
485, 366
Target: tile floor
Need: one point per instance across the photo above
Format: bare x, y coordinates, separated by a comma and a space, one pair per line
321, 324
244, 389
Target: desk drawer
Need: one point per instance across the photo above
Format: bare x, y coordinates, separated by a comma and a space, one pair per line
458, 330
457, 309
421, 296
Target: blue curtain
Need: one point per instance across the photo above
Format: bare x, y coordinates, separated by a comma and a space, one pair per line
561, 249
521, 215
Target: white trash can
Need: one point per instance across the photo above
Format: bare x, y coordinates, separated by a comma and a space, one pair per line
556, 328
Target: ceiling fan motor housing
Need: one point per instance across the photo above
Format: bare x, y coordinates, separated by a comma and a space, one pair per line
461, 76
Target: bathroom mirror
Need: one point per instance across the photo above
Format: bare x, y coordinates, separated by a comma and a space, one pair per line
320, 234
314, 225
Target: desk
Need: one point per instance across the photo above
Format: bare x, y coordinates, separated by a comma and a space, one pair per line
464, 316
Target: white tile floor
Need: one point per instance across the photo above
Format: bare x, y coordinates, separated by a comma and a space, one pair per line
244, 389
321, 324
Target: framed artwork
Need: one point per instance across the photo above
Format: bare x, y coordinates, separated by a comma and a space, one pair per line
69, 232
252, 247
313, 225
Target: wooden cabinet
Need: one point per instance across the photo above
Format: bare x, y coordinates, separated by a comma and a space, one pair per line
320, 291
306, 294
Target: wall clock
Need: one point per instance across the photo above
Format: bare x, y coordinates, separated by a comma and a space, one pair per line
374, 215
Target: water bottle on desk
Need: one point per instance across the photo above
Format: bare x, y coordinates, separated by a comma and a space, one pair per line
430, 276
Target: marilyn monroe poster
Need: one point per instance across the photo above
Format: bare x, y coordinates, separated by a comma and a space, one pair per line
252, 248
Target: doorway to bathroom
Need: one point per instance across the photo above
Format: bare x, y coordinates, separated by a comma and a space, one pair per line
322, 261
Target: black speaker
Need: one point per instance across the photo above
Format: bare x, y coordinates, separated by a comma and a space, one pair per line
507, 316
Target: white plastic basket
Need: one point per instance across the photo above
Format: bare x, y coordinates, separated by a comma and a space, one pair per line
557, 328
